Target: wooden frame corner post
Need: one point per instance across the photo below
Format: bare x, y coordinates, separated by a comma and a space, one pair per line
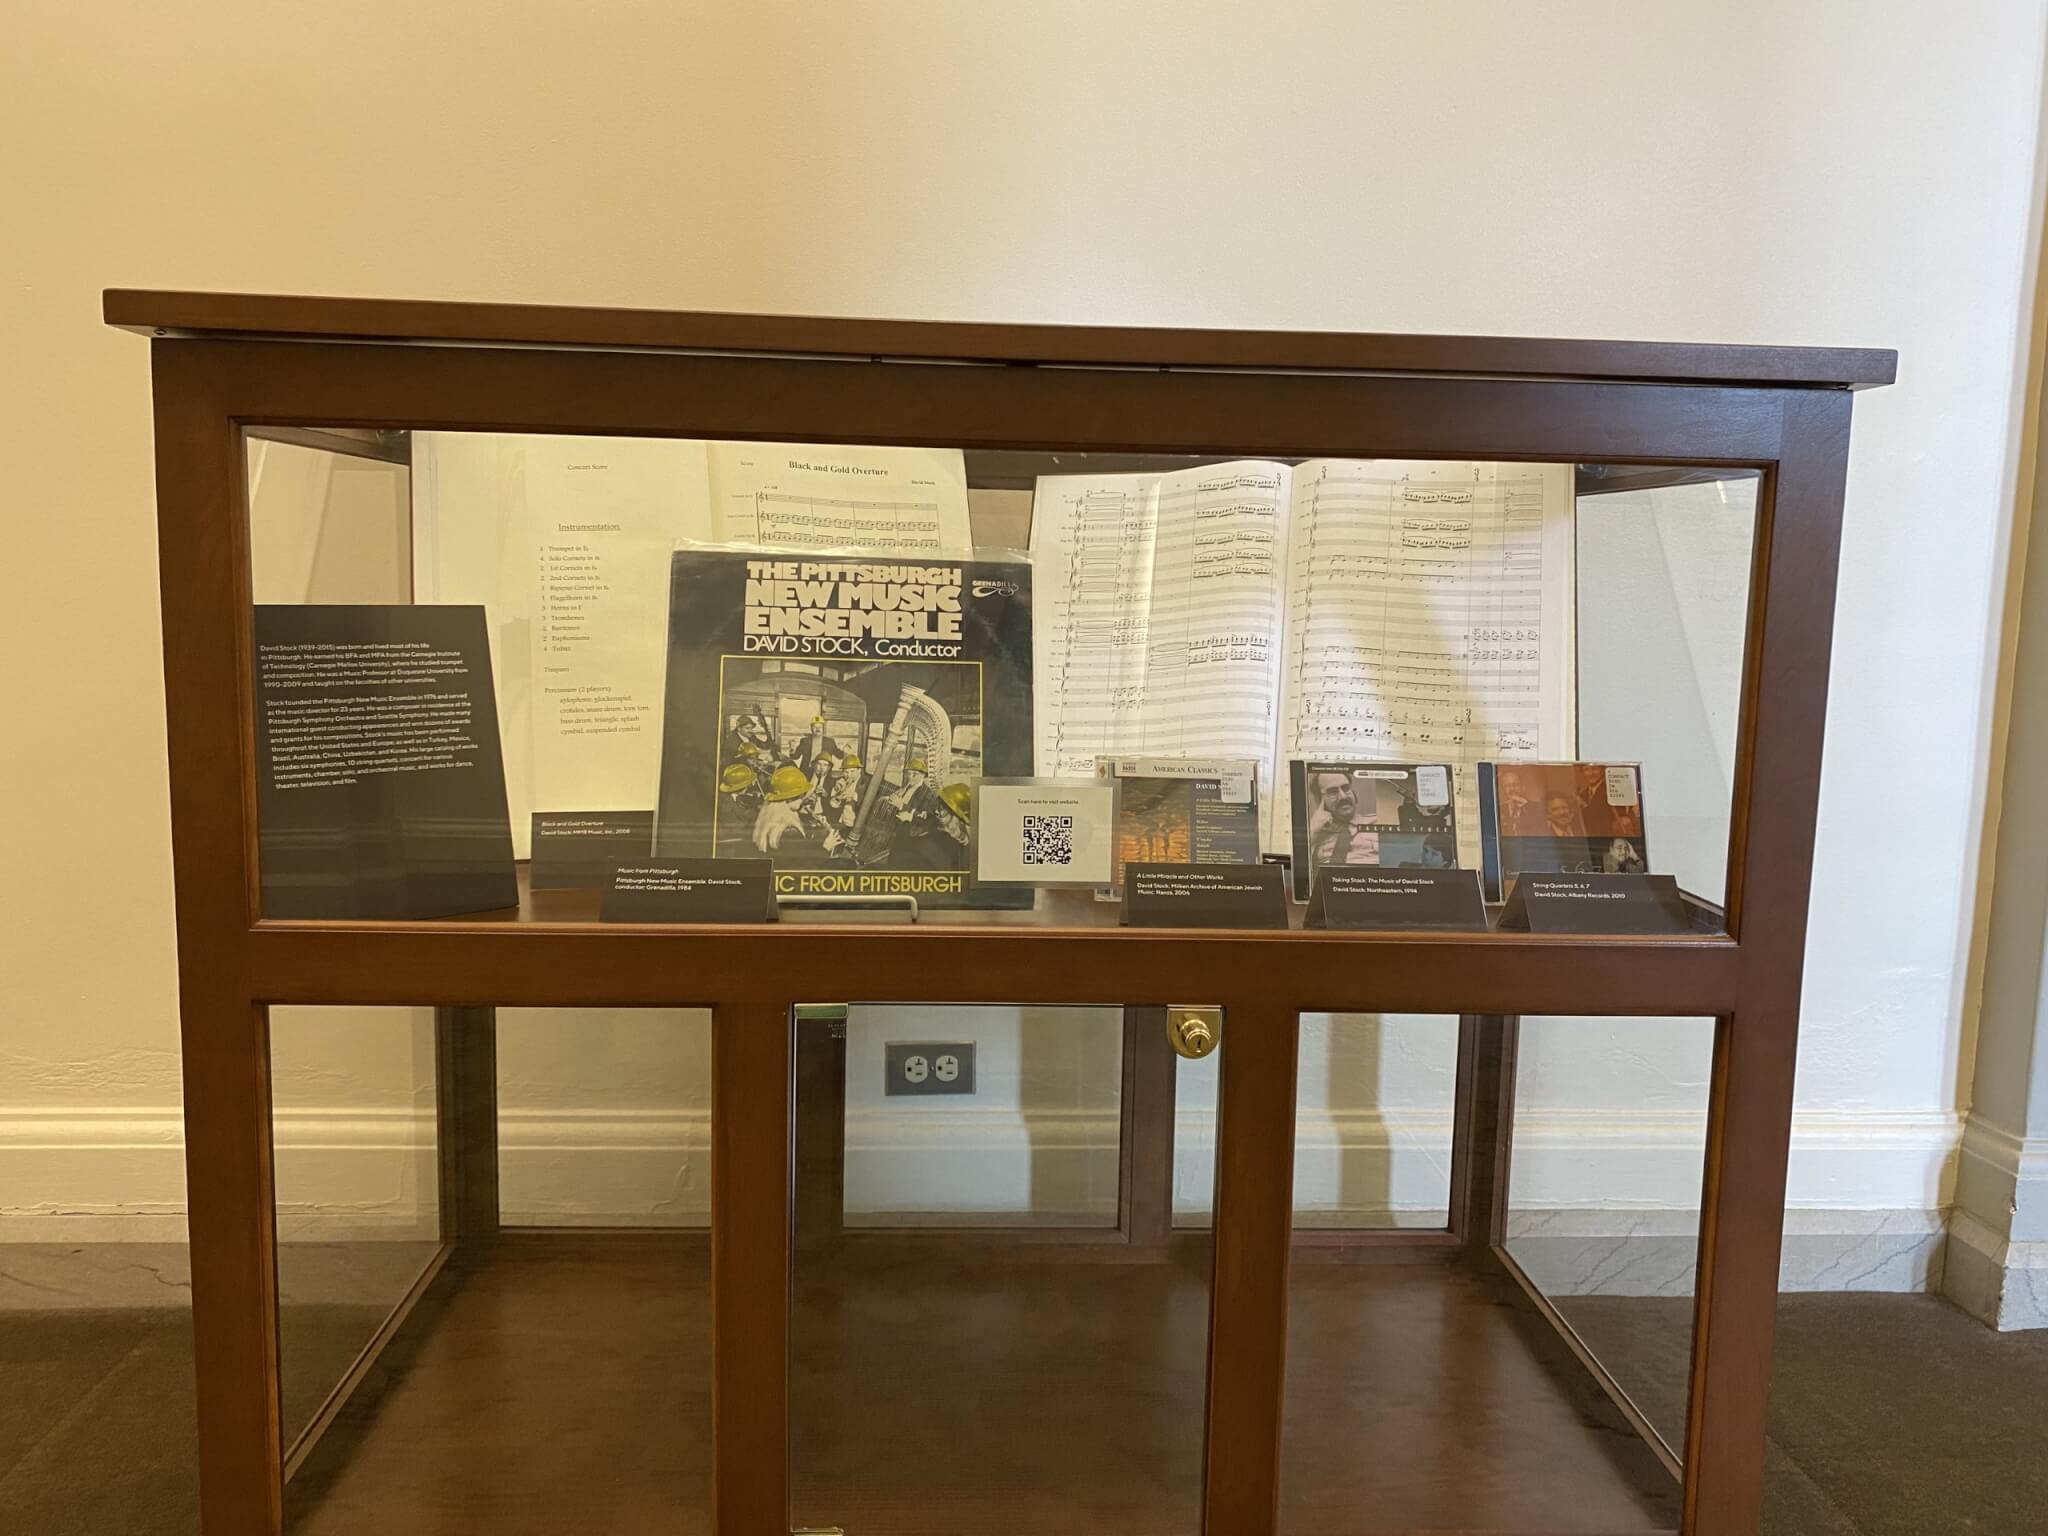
751, 1134
1248, 1296
1749, 1120
230, 1202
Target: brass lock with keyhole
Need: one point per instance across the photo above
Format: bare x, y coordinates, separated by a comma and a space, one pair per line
1194, 1030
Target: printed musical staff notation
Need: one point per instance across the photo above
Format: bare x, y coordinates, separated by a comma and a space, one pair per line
1423, 616
1362, 608
1157, 613
826, 522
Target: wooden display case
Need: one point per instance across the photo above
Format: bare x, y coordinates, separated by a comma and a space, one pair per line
355, 372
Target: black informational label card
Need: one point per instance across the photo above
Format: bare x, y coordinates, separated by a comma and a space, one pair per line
1356, 897
1205, 896
578, 850
690, 891
380, 785
1596, 904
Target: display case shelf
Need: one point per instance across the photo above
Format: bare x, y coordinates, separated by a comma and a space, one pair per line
517, 963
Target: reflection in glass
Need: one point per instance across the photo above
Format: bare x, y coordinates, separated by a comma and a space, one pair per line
974, 1344
1606, 1172
982, 1117
1197, 1097
1663, 612
1372, 1130
531, 1372
604, 1117
1413, 1357
353, 1135
328, 524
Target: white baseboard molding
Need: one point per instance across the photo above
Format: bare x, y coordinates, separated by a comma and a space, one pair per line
1994, 1279
2002, 1179
89, 1175
1996, 1267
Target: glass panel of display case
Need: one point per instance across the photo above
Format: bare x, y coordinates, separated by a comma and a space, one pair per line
1414, 1356
604, 1117
1606, 1175
436, 1360
1664, 569
1198, 1090
976, 1117
1372, 1130
547, 676
983, 1335
1372, 1121
330, 516
354, 1149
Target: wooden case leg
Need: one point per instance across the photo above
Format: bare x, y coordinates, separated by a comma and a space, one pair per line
466, 1114
1248, 1305
750, 1254
1742, 1219
231, 1217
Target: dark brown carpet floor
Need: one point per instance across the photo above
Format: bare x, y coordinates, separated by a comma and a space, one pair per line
96, 1430
1890, 1415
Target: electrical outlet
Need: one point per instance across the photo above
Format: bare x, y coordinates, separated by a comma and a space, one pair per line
928, 1067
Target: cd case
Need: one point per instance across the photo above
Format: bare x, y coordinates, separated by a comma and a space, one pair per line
1383, 815
1182, 810
1560, 819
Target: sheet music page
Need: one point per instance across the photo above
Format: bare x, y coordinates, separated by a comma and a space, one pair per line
602, 516
884, 501
1157, 601
1429, 618
469, 546
565, 541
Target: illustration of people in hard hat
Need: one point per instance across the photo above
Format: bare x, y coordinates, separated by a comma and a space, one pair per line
924, 838
781, 808
912, 800
958, 800
740, 782
749, 739
843, 801
839, 814
817, 754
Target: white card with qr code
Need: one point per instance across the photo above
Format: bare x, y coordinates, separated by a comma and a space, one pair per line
1045, 832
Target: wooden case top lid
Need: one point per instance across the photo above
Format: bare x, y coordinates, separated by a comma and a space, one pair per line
285, 316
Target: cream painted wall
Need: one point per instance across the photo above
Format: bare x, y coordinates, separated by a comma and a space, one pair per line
1829, 172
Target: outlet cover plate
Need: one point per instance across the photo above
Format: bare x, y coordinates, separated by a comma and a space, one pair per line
921, 1068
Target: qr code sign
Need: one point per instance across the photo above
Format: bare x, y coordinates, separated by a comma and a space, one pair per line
1048, 839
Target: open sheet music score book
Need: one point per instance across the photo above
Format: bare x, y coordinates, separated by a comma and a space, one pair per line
1378, 609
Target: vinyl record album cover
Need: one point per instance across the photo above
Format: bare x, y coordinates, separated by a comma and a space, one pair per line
834, 713
1391, 815
1560, 818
